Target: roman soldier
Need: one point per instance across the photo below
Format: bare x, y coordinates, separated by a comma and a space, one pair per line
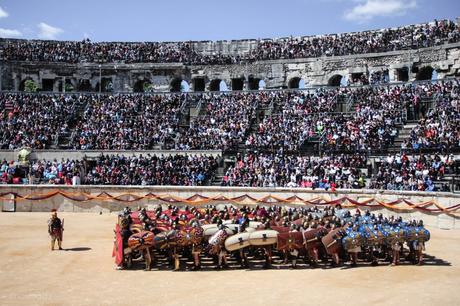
55, 229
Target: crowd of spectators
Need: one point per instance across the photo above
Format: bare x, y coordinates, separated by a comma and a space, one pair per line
225, 122
350, 171
152, 121
278, 170
412, 172
293, 124
64, 172
372, 126
440, 128
127, 122
145, 122
181, 170
412, 36
34, 120
406, 172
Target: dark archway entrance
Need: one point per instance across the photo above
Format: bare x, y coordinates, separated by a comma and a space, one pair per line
47, 84
238, 84
84, 85
142, 86
403, 74
335, 80
22, 85
199, 84
215, 85
107, 85
424, 73
175, 85
253, 83
294, 83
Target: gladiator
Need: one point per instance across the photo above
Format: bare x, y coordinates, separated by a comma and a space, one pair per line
55, 229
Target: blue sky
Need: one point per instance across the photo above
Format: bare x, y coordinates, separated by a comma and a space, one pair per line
143, 20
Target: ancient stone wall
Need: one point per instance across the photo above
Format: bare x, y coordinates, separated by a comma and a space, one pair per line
276, 74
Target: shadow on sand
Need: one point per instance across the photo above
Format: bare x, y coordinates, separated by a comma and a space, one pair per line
80, 249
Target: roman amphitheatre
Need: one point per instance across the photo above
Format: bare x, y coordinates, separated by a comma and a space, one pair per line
278, 171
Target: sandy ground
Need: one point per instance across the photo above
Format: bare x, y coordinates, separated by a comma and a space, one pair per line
30, 274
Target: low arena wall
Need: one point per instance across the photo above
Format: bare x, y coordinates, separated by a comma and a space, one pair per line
80, 154
437, 209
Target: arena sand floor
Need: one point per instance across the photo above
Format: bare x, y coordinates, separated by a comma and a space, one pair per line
84, 274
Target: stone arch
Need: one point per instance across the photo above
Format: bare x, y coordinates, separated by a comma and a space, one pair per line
424, 73
253, 83
175, 85
302, 84
184, 86
84, 85
141, 86
262, 85
223, 86
214, 85
296, 82
238, 83
335, 80
107, 85
199, 84
22, 85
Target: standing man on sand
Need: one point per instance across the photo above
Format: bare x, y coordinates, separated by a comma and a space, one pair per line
55, 229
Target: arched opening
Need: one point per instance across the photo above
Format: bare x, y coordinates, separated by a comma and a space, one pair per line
223, 86
107, 85
214, 85
434, 75
198, 84
262, 84
294, 83
84, 85
69, 85
175, 85
22, 85
403, 74
47, 84
142, 86
302, 84
424, 73
238, 84
184, 86
335, 80
253, 83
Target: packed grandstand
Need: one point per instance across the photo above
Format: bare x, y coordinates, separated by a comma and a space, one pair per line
379, 135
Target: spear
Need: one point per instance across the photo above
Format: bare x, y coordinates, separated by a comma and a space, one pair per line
62, 230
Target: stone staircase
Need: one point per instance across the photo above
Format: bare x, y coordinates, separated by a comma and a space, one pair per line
404, 133
63, 140
227, 161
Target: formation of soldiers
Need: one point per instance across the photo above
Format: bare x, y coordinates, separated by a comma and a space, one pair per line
326, 235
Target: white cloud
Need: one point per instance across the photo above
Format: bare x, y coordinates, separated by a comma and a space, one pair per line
47, 31
9, 33
368, 9
3, 13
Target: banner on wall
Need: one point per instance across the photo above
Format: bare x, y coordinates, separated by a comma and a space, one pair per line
401, 204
